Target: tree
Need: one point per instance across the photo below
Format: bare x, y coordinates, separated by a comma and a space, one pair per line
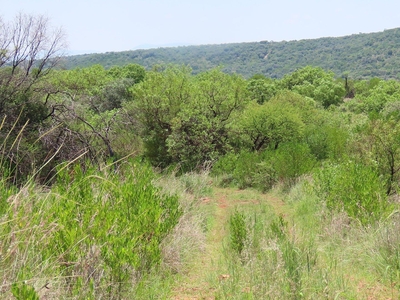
129, 71
383, 150
315, 83
29, 50
87, 116
270, 124
157, 101
200, 132
261, 89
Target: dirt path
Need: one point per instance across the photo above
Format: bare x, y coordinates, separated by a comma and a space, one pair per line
206, 265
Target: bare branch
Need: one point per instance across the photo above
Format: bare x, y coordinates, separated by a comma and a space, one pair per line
29, 49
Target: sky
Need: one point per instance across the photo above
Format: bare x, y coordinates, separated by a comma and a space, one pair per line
118, 25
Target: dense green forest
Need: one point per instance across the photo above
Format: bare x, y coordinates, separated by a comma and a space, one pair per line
361, 56
108, 175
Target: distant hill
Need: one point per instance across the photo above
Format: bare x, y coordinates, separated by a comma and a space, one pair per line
359, 55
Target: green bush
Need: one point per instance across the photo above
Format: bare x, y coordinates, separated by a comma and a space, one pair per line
292, 160
238, 232
263, 170
97, 228
355, 188
22, 291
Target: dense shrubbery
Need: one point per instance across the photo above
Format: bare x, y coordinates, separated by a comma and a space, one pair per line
354, 188
264, 170
97, 231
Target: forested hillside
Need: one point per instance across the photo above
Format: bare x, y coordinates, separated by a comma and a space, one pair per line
361, 56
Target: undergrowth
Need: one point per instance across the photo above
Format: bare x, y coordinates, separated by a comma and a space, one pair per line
94, 234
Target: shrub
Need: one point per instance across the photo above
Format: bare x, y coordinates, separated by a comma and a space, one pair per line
238, 232
263, 170
292, 160
355, 188
99, 231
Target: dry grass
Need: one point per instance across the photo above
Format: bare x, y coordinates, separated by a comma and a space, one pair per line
187, 238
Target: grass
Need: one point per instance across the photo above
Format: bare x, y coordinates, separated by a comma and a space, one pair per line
93, 234
126, 233
295, 249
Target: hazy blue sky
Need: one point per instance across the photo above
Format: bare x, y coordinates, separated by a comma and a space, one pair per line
117, 25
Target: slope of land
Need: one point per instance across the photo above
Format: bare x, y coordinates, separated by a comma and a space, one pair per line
359, 55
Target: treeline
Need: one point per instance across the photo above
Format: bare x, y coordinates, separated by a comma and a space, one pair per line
172, 117
362, 56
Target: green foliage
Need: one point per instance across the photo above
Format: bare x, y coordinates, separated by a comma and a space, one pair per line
327, 138
107, 227
238, 232
291, 161
273, 260
386, 250
200, 132
158, 100
113, 95
134, 72
186, 119
22, 291
354, 188
246, 170
383, 142
261, 89
374, 95
316, 84
249, 169
279, 227
270, 124
263, 170
384, 92
360, 56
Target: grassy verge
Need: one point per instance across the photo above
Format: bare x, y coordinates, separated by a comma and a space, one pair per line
95, 233
297, 249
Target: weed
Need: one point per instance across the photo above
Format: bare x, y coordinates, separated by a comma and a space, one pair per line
238, 232
357, 189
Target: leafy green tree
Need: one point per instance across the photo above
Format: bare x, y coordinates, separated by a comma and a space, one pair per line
200, 132
374, 96
113, 95
382, 144
315, 83
87, 117
261, 89
270, 124
379, 95
157, 102
134, 72
364, 87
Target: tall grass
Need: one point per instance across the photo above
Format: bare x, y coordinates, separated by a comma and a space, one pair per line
93, 234
354, 188
310, 252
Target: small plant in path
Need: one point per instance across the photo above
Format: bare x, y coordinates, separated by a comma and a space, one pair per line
238, 236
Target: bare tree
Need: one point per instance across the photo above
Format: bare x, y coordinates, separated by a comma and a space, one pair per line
29, 49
